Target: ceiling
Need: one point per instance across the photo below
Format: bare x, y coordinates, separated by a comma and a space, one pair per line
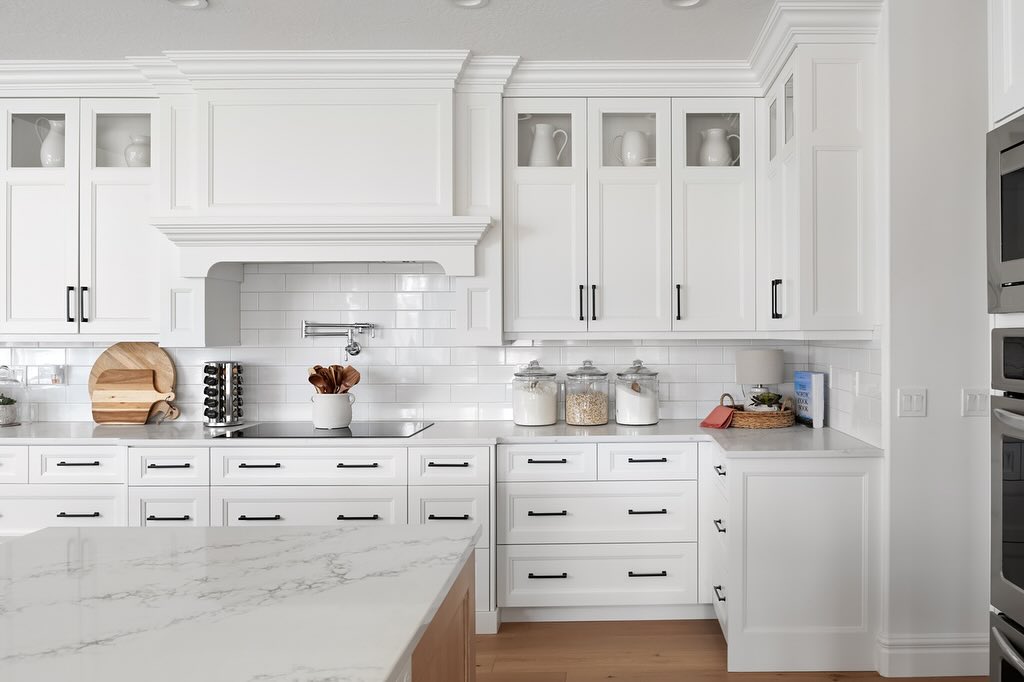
532, 29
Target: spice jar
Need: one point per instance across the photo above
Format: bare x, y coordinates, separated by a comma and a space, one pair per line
534, 396
636, 396
586, 396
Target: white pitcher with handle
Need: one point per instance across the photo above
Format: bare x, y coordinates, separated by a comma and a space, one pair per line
543, 152
51, 147
715, 150
634, 148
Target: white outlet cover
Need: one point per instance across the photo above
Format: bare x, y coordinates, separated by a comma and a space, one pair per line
912, 402
974, 402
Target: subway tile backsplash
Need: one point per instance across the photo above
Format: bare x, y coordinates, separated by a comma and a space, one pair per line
405, 378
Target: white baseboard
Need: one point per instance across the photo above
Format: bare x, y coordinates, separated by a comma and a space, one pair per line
549, 614
487, 622
936, 655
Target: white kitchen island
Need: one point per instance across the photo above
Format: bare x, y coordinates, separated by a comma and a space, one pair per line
224, 604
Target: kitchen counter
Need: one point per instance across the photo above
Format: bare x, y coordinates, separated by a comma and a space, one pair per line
222, 604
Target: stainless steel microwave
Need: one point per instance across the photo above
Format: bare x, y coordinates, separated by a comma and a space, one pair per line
1005, 218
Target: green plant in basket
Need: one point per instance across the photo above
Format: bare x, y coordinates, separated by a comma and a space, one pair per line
5, 400
766, 400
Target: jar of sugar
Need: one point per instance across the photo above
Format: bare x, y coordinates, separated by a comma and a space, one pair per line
636, 396
534, 396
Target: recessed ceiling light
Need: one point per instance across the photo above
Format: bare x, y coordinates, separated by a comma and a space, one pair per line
191, 4
469, 4
683, 4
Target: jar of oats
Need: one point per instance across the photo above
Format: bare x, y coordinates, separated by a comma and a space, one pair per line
586, 396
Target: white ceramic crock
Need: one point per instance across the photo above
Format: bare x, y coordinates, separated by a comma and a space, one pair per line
332, 410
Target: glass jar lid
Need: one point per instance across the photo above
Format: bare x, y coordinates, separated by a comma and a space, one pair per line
637, 371
9, 378
587, 371
533, 370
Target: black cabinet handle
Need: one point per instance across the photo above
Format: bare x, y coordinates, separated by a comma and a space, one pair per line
660, 574
648, 511
275, 517
718, 592
65, 515
720, 470
186, 517
342, 517
342, 465
719, 526
531, 460
186, 465
541, 576
583, 316
776, 315
67, 303
593, 301
244, 465
658, 460
82, 291
458, 465
78, 464
435, 517
679, 301
564, 512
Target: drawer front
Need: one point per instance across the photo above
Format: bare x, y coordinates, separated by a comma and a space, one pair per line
450, 466
14, 464
164, 507
597, 575
647, 461
76, 464
564, 513
308, 466
452, 506
28, 508
308, 506
168, 466
561, 462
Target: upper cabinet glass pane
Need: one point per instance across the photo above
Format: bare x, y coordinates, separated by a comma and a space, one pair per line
713, 139
122, 140
37, 141
773, 130
789, 109
628, 139
545, 139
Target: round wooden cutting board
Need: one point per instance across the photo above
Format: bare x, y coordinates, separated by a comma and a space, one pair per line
138, 355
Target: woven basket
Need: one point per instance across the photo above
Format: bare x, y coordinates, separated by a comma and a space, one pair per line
741, 419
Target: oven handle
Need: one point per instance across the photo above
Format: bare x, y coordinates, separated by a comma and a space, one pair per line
1009, 653
1011, 419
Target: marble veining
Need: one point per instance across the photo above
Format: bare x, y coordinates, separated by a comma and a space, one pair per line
221, 604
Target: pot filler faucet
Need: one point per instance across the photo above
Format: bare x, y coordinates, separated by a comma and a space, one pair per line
314, 329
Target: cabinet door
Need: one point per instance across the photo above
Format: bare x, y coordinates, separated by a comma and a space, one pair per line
629, 214
1006, 58
545, 226
713, 214
39, 216
120, 264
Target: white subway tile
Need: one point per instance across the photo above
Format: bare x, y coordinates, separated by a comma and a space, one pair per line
263, 319
75, 356
367, 282
424, 283
489, 374
336, 302
547, 356
285, 301
450, 374
451, 411
434, 300
249, 301
395, 338
716, 373
39, 356
495, 412
397, 375
424, 356
260, 283
312, 282
396, 301
423, 393
340, 268
410, 268
478, 356
374, 393
423, 319
396, 411
286, 268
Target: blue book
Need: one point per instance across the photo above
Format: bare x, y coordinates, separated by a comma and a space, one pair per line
809, 388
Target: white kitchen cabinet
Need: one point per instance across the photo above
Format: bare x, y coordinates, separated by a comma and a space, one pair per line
13, 464
171, 506
324, 505
76, 464
1005, 59
456, 505
713, 208
452, 465
308, 466
817, 226
168, 466
31, 507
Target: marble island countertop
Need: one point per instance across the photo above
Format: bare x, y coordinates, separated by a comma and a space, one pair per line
221, 604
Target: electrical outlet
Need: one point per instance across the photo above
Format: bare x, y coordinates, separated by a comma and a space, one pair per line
974, 402
912, 402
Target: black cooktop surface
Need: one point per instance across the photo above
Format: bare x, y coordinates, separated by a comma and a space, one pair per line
306, 430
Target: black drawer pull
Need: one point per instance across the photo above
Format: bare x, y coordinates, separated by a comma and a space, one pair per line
275, 465
558, 513
186, 517
455, 465
186, 465
65, 515
342, 517
78, 464
718, 592
342, 465
531, 460
720, 470
435, 517
719, 526
659, 460
557, 576
661, 574
275, 517
648, 511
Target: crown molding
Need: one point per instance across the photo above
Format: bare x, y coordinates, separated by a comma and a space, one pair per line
84, 78
486, 74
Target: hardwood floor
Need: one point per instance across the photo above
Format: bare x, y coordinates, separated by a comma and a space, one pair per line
641, 651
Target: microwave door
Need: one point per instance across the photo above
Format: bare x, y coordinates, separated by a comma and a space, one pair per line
1011, 205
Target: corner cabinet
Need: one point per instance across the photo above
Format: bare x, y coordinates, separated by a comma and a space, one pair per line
1005, 59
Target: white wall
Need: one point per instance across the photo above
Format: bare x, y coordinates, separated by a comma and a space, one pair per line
934, 618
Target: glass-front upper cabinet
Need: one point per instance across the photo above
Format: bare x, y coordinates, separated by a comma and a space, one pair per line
713, 138
120, 134
789, 109
544, 139
41, 133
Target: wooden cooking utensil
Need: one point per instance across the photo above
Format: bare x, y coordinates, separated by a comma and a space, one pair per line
350, 376
162, 411
125, 396
318, 382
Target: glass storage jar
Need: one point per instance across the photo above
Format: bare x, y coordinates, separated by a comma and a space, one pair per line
586, 396
14, 408
636, 396
534, 396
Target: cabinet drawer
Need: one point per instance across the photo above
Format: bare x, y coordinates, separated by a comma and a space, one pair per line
597, 575
168, 466
308, 466
452, 505
449, 466
647, 461
308, 506
14, 464
27, 508
537, 513
562, 462
76, 464
163, 507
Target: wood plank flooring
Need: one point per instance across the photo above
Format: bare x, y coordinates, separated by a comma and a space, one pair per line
639, 651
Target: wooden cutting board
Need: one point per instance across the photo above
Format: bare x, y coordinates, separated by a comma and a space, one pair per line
139, 355
125, 396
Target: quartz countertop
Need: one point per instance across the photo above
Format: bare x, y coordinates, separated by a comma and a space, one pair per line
221, 604
794, 441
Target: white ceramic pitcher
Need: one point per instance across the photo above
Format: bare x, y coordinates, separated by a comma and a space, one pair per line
715, 150
543, 152
332, 410
51, 147
634, 149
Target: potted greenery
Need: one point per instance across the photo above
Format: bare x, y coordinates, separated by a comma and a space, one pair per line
765, 402
8, 410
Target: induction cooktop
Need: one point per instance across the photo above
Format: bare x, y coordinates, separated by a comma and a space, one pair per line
306, 430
